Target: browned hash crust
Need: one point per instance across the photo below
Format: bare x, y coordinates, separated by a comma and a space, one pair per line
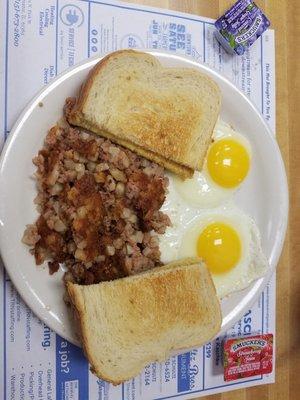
99, 207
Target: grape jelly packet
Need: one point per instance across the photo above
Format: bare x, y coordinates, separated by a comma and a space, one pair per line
249, 356
240, 26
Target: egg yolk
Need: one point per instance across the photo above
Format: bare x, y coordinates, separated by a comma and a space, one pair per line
228, 162
220, 247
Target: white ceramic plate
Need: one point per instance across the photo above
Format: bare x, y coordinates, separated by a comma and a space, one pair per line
263, 195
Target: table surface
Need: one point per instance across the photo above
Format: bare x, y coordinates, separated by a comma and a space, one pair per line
285, 19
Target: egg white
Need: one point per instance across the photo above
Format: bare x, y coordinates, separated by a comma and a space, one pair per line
201, 190
252, 264
180, 239
193, 204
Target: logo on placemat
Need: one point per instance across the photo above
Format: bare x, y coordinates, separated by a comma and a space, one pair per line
131, 41
71, 15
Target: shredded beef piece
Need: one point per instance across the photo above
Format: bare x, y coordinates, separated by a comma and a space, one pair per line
69, 104
148, 193
53, 267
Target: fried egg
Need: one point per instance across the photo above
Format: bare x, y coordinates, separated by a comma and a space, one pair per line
229, 244
226, 166
227, 240
207, 224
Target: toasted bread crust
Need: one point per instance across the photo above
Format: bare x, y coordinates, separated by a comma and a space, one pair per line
86, 86
79, 309
180, 170
168, 137
177, 276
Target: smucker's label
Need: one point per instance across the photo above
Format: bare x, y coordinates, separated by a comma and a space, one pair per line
249, 356
241, 26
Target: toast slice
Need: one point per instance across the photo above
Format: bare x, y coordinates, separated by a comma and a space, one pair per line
164, 114
127, 323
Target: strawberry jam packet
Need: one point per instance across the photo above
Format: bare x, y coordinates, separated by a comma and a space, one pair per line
249, 356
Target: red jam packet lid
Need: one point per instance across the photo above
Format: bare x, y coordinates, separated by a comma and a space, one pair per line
249, 356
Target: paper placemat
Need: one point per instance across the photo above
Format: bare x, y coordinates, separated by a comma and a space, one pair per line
40, 40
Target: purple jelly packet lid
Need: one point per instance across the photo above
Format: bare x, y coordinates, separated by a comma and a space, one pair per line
240, 26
